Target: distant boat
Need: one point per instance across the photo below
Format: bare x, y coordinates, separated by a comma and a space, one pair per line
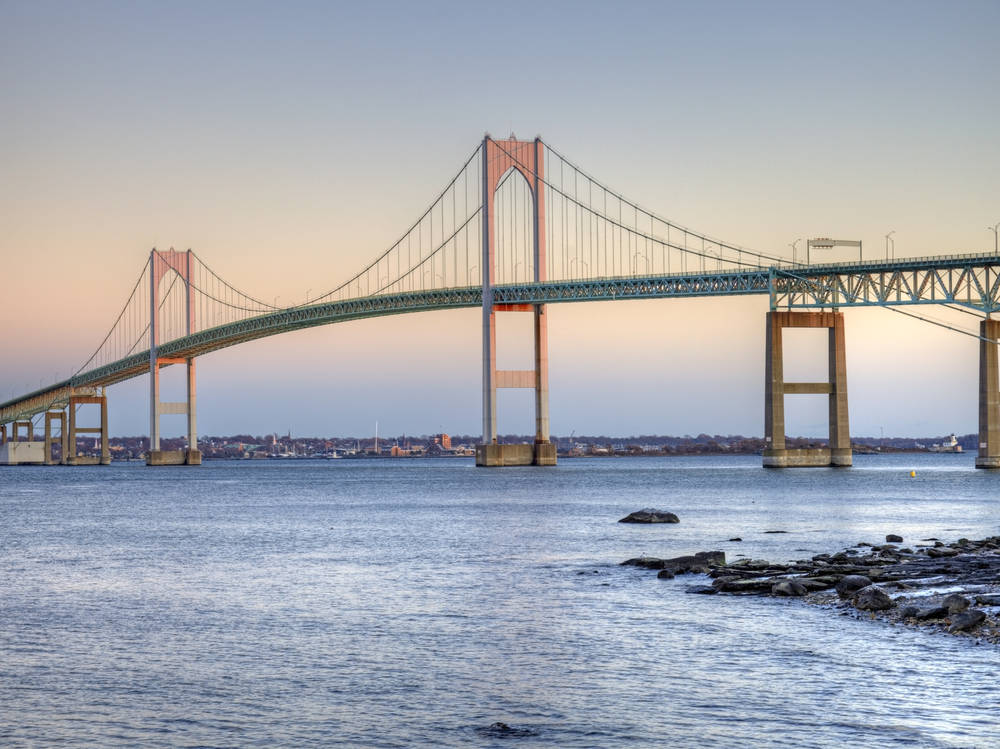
951, 446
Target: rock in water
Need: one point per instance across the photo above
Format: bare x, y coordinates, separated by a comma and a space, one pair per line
966, 620
705, 590
851, 584
502, 730
699, 562
932, 612
650, 515
956, 603
872, 598
892, 538
665, 575
788, 588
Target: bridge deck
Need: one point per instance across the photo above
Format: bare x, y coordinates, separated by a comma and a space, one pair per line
972, 281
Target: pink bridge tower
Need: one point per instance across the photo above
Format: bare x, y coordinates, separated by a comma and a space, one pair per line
525, 157
160, 264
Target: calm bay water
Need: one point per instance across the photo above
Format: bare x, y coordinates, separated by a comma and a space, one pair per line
401, 603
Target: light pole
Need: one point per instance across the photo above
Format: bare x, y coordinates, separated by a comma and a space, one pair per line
994, 229
888, 239
794, 252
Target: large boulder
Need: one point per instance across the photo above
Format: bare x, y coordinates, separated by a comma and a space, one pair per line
937, 553
956, 603
872, 598
851, 584
649, 515
966, 620
894, 539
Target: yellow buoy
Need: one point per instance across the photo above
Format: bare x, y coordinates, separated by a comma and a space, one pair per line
913, 474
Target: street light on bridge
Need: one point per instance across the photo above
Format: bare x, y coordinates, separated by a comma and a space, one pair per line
792, 245
994, 229
888, 239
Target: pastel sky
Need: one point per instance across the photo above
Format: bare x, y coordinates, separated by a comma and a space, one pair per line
290, 143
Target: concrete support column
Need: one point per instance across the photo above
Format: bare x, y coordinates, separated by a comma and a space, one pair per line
776, 453
3, 434
51, 416
105, 447
194, 454
69, 457
989, 396
840, 428
541, 375
774, 386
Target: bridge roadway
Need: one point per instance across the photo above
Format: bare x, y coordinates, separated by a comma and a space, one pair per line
971, 281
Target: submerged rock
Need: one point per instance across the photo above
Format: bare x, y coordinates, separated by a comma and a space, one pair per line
650, 515
706, 590
501, 729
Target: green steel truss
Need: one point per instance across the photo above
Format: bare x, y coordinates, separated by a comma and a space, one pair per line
971, 281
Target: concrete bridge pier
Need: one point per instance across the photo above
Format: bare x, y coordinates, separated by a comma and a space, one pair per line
989, 396
29, 431
16, 451
776, 454
69, 455
192, 455
63, 437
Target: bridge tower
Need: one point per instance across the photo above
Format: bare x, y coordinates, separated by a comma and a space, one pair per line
161, 263
838, 452
526, 157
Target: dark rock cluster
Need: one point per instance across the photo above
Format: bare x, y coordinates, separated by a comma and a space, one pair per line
953, 588
649, 515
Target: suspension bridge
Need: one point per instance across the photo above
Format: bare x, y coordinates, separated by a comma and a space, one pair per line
519, 227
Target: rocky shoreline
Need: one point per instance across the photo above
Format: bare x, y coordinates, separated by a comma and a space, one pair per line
948, 588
